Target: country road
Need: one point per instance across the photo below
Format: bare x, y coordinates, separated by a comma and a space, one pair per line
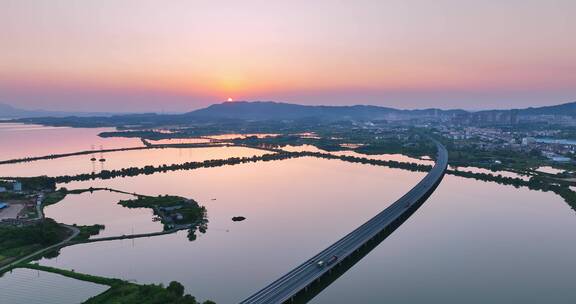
75, 231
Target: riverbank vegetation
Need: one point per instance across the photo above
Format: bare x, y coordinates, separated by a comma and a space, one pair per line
498, 160
411, 142
134, 171
16, 242
20, 241
86, 231
124, 292
543, 182
54, 197
147, 170
86, 152
37, 183
9, 195
534, 183
407, 141
171, 210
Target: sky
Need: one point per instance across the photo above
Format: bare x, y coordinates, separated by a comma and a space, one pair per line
178, 55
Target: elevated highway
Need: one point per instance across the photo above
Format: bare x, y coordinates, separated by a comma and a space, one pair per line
297, 281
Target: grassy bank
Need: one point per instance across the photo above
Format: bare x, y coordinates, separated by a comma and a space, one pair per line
16, 242
124, 292
170, 209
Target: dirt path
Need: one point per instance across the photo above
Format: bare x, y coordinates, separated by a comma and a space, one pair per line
11, 212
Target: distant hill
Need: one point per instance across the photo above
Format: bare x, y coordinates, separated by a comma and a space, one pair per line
274, 111
8, 111
561, 109
268, 110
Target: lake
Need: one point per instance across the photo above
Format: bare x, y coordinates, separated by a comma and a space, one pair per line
471, 242
289, 217
35, 140
122, 159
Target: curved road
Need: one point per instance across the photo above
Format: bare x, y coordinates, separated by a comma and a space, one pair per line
75, 231
289, 285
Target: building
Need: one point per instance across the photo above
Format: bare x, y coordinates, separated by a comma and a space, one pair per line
528, 141
560, 159
15, 185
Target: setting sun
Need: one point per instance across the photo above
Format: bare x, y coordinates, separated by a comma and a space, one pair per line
230, 99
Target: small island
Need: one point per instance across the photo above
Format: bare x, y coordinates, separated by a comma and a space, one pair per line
172, 211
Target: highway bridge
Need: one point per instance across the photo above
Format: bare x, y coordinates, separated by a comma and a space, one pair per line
297, 281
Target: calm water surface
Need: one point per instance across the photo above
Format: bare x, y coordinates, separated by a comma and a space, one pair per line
27, 286
471, 239
122, 159
240, 136
487, 171
101, 207
20, 140
290, 217
388, 157
172, 141
471, 242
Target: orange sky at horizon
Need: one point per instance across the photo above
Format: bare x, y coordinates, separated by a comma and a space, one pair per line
397, 53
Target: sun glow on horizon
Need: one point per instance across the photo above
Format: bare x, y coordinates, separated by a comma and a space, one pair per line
395, 53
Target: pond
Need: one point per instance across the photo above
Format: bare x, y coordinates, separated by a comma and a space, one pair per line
27, 286
101, 207
78, 164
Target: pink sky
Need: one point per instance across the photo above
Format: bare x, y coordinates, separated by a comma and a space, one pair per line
179, 55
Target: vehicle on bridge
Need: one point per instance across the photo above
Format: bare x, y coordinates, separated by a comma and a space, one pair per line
332, 260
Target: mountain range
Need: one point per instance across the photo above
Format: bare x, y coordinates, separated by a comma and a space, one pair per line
274, 110
268, 110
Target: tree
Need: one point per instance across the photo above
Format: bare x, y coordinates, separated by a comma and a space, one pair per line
175, 288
